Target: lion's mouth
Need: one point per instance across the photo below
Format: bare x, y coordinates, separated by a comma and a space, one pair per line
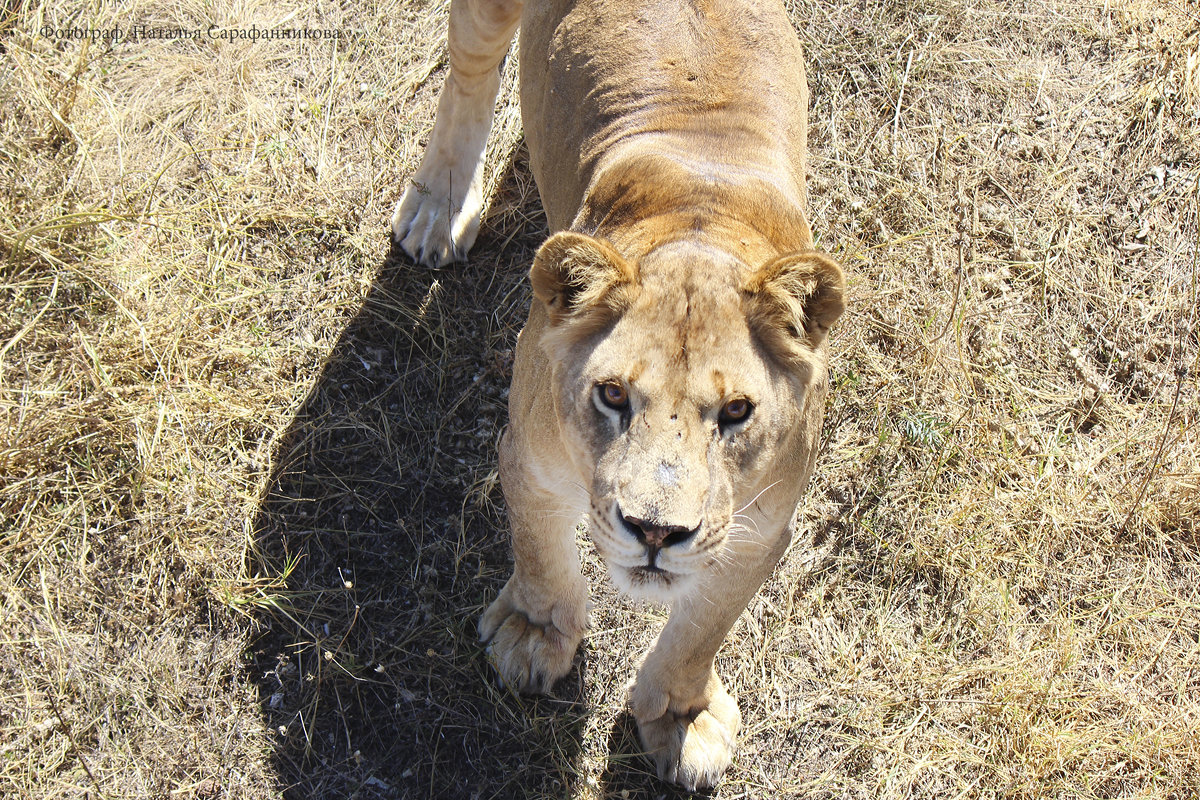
639, 573
649, 573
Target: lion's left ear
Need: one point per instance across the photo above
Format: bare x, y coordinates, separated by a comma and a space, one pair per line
574, 273
797, 295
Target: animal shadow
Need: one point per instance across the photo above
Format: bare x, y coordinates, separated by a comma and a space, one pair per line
384, 516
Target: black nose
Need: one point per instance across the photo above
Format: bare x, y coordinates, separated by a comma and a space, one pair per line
658, 536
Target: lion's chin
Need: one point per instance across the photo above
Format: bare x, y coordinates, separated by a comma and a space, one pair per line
650, 583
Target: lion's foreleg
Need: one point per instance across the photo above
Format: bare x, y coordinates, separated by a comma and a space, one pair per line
534, 627
437, 218
687, 721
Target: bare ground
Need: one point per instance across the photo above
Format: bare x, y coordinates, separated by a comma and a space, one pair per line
248, 502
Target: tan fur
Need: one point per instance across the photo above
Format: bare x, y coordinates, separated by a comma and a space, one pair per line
667, 140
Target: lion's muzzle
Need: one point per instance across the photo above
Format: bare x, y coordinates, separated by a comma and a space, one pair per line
656, 536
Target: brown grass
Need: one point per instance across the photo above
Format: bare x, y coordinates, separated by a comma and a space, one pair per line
248, 503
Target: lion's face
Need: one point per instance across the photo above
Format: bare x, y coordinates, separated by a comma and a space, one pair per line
678, 402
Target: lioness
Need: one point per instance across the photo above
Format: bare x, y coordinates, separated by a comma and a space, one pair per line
670, 380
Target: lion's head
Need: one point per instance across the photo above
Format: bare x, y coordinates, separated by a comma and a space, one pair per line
689, 386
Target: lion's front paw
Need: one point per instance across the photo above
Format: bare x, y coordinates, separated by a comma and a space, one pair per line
532, 651
436, 225
691, 747
437, 218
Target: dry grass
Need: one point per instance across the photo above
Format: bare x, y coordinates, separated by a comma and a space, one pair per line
248, 504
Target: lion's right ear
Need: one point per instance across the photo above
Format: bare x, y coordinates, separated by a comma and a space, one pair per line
573, 273
795, 299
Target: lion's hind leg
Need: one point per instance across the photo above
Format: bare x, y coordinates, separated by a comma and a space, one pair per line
437, 218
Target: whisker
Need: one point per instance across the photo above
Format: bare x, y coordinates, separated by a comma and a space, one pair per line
740, 527
755, 499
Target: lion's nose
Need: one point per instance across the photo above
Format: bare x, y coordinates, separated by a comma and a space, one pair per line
656, 536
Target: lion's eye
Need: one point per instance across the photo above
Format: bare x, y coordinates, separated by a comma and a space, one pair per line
735, 411
615, 396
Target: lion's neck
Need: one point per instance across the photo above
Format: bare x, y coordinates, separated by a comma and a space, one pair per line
641, 201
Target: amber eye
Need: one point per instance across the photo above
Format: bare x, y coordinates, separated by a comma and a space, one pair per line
615, 396
735, 411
